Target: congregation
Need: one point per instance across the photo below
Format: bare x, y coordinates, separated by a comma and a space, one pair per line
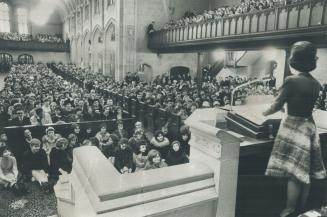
35, 95
14, 36
45, 159
245, 6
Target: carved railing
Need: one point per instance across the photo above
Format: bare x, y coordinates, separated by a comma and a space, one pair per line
34, 46
304, 17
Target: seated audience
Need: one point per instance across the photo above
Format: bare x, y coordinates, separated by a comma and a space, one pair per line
35, 165
40, 117
103, 135
141, 158
120, 131
124, 157
49, 140
176, 154
154, 160
60, 159
160, 143
8, 169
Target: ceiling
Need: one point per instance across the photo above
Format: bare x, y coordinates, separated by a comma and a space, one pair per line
64, 7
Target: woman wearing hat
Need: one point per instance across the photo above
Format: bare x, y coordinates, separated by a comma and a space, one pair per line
296, 154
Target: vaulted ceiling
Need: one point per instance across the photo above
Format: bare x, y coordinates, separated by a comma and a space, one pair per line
64, 7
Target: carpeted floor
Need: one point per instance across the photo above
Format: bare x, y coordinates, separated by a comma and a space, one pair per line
36, 204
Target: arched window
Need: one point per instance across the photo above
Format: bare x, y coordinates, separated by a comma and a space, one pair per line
22, 20
4, 17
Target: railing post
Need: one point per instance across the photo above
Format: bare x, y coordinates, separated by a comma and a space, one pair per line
310, 14
322, 22
287, 16
276, 19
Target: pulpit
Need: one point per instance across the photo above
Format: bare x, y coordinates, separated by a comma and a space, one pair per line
204, 187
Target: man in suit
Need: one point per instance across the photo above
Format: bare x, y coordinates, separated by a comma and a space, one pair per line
21, 119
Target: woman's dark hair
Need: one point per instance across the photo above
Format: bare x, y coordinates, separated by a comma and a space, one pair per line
303, 56
157, 133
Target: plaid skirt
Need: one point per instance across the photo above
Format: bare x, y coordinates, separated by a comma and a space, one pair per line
297, 152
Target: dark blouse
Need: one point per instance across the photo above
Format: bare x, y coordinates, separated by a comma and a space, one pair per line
300, 92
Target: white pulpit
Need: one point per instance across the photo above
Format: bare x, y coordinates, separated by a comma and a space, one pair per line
205, 187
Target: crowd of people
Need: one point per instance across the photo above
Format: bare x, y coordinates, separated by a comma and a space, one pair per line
14, 36
34, 95
245, 6
48, 38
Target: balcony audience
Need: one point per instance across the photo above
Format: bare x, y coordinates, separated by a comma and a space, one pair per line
244, 7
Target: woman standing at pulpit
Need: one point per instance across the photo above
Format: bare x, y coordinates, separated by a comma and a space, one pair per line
296, 154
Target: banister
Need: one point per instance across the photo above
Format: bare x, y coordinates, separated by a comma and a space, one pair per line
263, 21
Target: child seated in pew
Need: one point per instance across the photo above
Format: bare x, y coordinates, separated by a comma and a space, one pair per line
124, 157
160, 143
109, 147
49, 139
77, 131
103, 135
8, 169
60, 159
35, 165
176, 154
120, 131
154, 160
141, 158
9, 173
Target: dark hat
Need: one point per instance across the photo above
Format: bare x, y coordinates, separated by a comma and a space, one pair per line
303, 56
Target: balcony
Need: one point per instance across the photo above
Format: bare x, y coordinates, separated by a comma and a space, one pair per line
34, 46
278, 27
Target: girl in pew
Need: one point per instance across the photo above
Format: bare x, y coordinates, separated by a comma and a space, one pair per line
176, 155
160, 143
185, 137
124, 157
60, 159
49, 140
9, 173
8, 169
141, 158
154, 160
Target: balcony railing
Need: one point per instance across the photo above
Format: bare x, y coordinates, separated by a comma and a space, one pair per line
308, 17
34, 46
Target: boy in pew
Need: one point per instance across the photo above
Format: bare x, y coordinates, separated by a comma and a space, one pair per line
35, 164
124, 157
103, 135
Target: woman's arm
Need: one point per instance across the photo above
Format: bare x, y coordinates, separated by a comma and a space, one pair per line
285, 93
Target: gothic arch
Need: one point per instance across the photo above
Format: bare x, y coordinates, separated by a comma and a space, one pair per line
110, 49
87, 55
97, 50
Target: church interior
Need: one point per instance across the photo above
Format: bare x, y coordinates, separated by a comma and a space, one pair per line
134, 108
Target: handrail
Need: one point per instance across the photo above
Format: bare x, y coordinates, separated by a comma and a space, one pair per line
253, 23
34, 45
